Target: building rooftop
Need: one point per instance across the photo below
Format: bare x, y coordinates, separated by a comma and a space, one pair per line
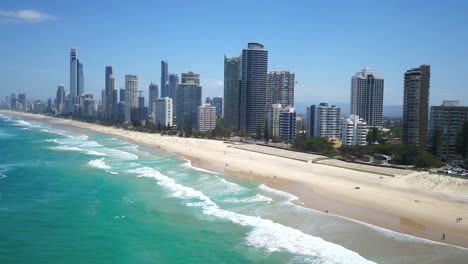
451, 103
366, 72
253, 45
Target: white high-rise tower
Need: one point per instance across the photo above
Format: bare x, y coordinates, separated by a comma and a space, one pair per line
131, 95
367, 89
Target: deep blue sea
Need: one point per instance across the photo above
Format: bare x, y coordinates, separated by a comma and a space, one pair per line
76, 196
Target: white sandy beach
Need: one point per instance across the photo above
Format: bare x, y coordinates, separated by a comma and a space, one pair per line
415, 203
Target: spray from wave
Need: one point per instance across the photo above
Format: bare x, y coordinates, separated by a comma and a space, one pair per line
99, 163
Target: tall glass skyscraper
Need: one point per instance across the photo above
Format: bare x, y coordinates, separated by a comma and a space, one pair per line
76, 79
80, 82
188, 98
218, 103
60, 99
253, 92
110, 94
73, 79
232, 83
153, 95
416, 106
367, 89
164, 79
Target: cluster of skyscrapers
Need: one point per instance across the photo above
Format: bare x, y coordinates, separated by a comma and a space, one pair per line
256, 99
175, 104
252, 94
366, 103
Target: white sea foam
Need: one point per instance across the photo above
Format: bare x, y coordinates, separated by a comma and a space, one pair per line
22, 123
122, 154
54, 131
2, 174
253, 199
232, 187
188, 164
82, 144
265, 233
86, 151
289, 196
6, 118
99, 163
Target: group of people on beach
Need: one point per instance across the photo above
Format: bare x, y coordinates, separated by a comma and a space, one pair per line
459, 219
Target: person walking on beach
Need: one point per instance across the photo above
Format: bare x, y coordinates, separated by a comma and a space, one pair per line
443, 236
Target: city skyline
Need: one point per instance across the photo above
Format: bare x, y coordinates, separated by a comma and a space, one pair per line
322, 68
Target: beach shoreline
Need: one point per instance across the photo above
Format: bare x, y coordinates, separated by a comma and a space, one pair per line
424, 206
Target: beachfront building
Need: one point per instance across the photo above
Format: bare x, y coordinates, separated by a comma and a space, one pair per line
188, 98
273, 119
367, 89
120, 112
253, 97
141, 113
353, 131
131, 96
22, 104
448, 119
280, 88
60, 99
287, 124
218, 103
164, 79
232, 81
85, 105
206, 117
153, 95
163, 111
13, 101
323, 121
89, 107
416, 106
39, 106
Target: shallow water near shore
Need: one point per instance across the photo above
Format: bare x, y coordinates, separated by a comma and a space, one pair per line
69, 196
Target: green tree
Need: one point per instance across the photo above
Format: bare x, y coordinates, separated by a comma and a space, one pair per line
462, 141
136, 123
435, 143
319, 145
188, 127
259, 133
373, 136
158, 127
266, 134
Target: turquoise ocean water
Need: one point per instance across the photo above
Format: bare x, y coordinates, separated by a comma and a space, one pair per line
71, 196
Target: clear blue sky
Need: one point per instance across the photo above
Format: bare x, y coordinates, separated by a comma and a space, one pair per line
324, 42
